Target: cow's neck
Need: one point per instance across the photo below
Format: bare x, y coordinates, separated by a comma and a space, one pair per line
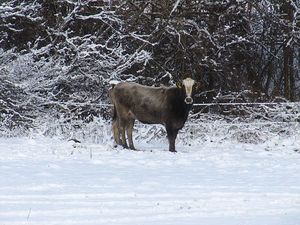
179, 107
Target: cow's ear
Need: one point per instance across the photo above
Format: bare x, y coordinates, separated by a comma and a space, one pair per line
198, 86
179, 84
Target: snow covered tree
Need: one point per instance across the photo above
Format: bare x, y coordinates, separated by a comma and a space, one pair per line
277, 38
57, 56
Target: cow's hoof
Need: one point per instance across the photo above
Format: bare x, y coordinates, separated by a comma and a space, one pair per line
125, 146
132, 148
173, 150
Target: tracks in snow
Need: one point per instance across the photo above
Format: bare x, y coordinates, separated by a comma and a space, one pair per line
128, 208
42, 184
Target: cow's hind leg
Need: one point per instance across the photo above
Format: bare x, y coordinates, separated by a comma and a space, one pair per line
116, 132
122, 128
129, 133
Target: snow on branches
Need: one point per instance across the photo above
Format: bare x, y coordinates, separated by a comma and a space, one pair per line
57, 57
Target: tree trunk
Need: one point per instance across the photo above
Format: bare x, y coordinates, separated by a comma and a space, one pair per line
288, 73
288, 56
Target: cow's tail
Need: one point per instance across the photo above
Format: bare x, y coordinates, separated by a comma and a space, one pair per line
115, 116
115, 127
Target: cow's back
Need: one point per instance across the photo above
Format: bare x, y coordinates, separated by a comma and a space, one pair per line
147, 104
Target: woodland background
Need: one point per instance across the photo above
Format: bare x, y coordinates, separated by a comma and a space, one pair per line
58, 56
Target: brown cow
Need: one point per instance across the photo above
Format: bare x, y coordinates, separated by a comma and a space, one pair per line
168, 106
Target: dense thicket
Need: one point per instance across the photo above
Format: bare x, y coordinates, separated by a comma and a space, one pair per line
57, 56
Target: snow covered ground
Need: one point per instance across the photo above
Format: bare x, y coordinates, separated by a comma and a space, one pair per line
48, 181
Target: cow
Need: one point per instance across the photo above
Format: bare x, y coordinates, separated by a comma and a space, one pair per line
168, 106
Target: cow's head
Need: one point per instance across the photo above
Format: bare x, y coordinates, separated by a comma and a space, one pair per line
188, 84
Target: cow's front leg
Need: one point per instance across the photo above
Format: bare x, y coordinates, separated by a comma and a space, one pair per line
171, 134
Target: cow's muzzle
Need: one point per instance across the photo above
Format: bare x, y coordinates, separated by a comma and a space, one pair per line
188, 100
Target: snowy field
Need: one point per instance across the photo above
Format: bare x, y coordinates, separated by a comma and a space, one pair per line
47, 181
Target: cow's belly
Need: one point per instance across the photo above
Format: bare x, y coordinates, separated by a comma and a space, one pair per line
148, 117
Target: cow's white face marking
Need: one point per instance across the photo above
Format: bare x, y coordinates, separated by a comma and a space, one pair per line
188, 84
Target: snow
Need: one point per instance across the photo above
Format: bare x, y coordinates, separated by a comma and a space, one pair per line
175, 6
52, 181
